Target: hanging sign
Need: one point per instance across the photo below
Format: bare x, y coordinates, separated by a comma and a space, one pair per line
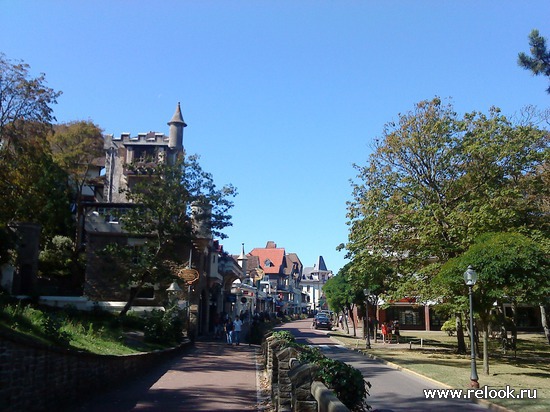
190, 276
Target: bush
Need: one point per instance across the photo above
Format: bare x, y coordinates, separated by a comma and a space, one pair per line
164, 326
347, 382
449, 326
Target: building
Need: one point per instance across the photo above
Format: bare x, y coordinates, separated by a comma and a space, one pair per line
127, 157
312, 282
278, 275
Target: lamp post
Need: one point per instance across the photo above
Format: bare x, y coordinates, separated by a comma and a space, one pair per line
366, 324
470, 278
173, 291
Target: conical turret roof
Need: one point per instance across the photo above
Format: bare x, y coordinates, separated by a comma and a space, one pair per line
177, 117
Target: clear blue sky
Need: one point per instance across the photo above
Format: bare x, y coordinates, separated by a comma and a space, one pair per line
280, 97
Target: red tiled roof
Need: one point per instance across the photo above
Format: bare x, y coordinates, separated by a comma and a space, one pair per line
275, 255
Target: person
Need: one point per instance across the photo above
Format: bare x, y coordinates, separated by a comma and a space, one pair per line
384, 332
371, 328
229, 330
341, 321
396, 330
217, 326
237, 327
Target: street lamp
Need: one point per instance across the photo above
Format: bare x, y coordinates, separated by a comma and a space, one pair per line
366, 324
173, 291
470, 278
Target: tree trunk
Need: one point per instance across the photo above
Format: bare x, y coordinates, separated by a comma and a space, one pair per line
515, 320
544, 320
460, 333
130, 302
486, 348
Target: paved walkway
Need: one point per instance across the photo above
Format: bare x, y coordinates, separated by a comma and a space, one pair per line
211, 376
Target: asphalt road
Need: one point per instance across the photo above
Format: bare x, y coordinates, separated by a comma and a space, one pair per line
392, 389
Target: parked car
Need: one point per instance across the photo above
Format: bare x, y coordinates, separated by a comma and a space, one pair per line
322, 322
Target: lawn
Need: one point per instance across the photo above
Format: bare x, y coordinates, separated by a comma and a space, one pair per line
529, 369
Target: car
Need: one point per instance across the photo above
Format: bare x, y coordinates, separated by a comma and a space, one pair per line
322, 322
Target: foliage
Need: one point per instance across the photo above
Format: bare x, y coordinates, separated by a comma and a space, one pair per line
23, 97
57, 258
539, 61
449, 326
164, 326
347, 382
76, 147
32, 185
285, 336
435, 181
510, 266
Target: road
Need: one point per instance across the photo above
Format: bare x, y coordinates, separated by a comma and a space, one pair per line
392, 389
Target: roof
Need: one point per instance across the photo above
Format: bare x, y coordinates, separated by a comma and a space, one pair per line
271, 260
177, 117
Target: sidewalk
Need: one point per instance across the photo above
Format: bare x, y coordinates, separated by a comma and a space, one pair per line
210, 376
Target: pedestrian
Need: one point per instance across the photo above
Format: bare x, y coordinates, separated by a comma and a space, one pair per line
341, 321
229, 330
389, 328
384, 332
396, 331
237, 327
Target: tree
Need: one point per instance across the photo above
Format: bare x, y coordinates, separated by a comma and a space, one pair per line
30, 180
435, 181
539, 61
76, 146
511, 267
22, 97
164, 216
32, 185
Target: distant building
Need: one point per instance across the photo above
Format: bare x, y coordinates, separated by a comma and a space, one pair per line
312, 282
279, 275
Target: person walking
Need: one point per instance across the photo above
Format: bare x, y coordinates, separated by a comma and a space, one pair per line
237, 327
229, 330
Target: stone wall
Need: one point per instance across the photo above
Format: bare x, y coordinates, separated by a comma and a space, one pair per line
36, 377
293, 388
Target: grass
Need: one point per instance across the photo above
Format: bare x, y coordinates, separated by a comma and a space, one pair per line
437, 360
99, 333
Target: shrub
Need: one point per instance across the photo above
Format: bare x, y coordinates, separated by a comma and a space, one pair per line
449, 326
164, 326
347, 382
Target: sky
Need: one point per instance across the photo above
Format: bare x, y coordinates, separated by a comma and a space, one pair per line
281, 97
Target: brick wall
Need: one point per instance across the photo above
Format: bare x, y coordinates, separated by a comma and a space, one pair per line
36, 377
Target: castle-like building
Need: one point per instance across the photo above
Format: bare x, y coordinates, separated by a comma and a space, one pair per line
139, 150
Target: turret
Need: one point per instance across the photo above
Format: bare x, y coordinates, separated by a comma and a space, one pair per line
243, 261
176, 130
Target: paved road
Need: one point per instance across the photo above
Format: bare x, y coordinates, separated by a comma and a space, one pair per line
392, 389
211, 376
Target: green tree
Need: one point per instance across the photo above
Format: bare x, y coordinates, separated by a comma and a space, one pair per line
435, 181
164, 216
30, 181
32, 184
22, 98
539, 61
511, 268
77, 147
